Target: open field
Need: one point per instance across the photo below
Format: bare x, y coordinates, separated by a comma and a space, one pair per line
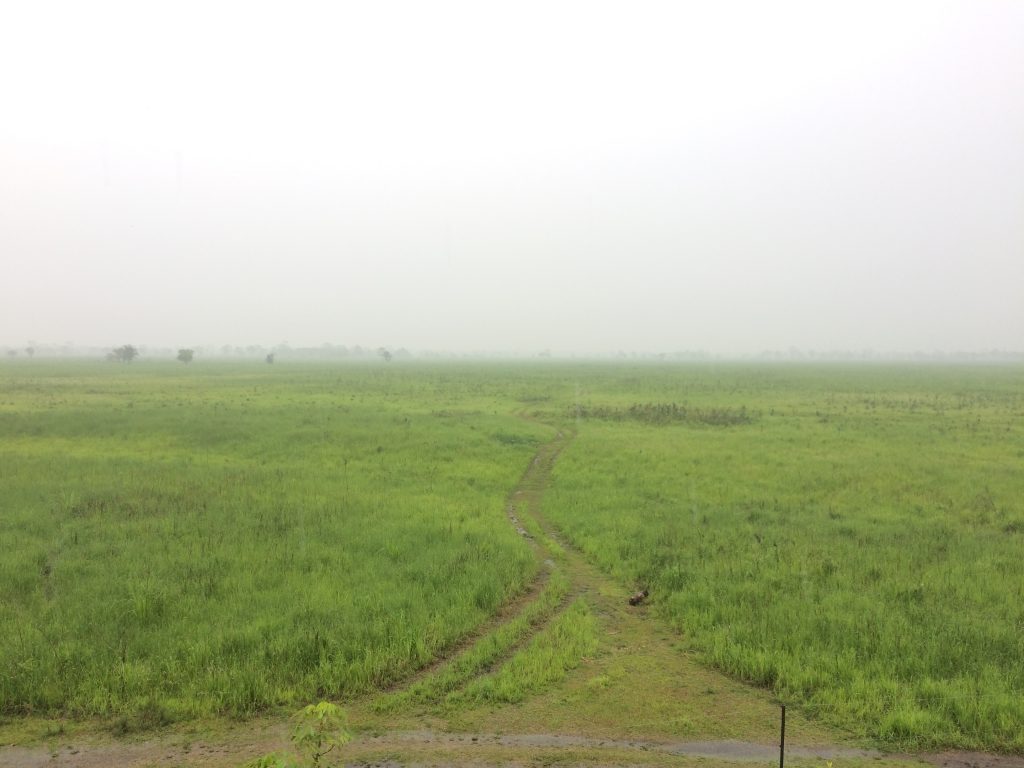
856, 545
187, 543
448, 548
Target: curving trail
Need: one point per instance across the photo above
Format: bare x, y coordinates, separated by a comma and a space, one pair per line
657, 680
639, 699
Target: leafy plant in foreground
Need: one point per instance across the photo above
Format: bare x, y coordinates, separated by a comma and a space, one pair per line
319, 730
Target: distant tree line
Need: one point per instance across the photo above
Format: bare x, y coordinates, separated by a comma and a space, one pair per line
128, 352
322, 352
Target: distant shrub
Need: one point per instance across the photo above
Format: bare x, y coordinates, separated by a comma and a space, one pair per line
666, 413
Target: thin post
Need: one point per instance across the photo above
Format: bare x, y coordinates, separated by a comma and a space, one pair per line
782, 738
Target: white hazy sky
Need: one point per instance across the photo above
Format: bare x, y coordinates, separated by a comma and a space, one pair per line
579, 176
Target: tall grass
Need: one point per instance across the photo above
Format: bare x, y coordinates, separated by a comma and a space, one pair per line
857, 549
224, 538
231, 539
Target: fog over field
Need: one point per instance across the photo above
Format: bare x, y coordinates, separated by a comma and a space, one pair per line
577, 177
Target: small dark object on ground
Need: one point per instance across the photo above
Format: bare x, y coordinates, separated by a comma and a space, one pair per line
639, 597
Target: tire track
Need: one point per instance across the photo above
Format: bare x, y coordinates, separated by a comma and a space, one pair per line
521, 500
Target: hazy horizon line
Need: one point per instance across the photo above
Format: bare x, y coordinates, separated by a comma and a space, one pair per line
331, 352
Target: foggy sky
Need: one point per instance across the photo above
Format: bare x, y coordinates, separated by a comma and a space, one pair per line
582, 177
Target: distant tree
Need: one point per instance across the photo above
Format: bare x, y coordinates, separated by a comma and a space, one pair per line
30, 351
12, 353
385, 354
186, 355
124, 354
270, 359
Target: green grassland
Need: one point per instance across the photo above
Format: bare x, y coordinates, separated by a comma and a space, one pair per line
183, 541
856, 544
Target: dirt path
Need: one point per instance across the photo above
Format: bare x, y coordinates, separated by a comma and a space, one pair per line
641, 699
430, 748
728, 750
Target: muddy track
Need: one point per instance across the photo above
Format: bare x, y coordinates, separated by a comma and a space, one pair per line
431, 748
731, 750
523, 496
726, 751
505, 614
524, 500
520, 505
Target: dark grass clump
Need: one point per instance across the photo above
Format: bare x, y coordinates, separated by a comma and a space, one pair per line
662, 414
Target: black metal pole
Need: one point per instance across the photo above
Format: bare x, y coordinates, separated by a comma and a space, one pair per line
782, 738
